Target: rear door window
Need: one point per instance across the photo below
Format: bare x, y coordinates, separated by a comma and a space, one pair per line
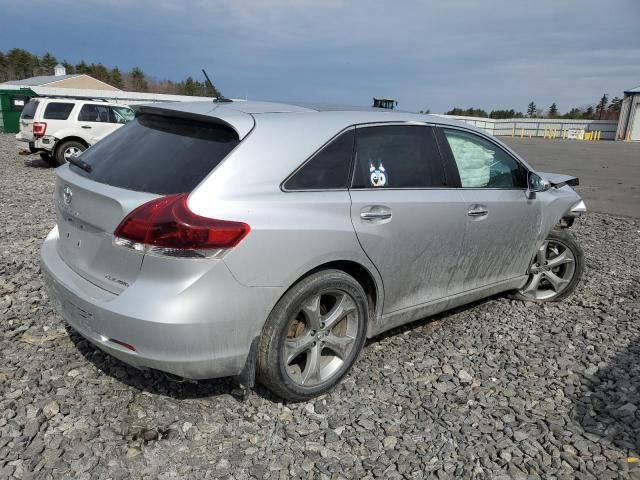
398, 156
158, 154
57, 111
328, 169
94, 113
29, 110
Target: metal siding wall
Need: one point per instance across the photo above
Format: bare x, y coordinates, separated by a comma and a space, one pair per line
536, 126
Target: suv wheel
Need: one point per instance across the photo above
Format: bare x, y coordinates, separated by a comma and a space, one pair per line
555, 271
313, 335
68, 149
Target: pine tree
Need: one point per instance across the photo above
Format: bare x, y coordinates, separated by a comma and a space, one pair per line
68, 67
532, 109
602, 106
48, 64
138, 80
115, 78
82, 67
615, 105
189, 87
553, 110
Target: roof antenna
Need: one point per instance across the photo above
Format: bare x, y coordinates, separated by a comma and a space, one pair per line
219, 98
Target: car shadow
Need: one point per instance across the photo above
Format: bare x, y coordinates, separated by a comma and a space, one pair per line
608, 403
159, 383
156, 382
36, 162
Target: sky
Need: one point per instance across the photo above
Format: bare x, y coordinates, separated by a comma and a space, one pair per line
435, 54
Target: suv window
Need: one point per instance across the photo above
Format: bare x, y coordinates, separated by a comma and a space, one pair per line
29, 110
157, 154
121, 115
482, 164
94, 113
397, 156
328, 169
57, 111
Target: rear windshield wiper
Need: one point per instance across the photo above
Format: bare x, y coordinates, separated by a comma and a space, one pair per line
78, 162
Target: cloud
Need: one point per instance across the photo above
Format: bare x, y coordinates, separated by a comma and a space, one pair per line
428, 54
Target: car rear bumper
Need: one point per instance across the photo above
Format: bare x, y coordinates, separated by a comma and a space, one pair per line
34, 145
198, 331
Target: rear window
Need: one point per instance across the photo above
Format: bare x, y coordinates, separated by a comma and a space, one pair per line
57, 111
159, 155
29, 110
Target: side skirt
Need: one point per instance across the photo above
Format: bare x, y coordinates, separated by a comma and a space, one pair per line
401, 317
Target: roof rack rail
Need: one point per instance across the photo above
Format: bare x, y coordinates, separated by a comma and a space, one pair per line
78, 97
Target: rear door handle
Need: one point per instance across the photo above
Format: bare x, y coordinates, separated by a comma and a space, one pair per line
375, 213
85, 126
478, 211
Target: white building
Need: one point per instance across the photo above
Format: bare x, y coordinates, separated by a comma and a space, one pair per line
629, 122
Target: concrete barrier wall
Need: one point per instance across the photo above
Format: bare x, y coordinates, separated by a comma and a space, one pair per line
536, 127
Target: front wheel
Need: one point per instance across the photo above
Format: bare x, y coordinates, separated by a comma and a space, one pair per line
313, 335
555, 270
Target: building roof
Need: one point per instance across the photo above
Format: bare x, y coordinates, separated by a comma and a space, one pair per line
42, 80
80, 81
633, 90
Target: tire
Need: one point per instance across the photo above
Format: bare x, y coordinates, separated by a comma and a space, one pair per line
549, 283
67, 148
45, 156
323, 311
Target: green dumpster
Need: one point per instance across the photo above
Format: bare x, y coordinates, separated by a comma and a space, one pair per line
11, 104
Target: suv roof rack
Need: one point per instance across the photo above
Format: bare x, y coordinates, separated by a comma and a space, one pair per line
76, 97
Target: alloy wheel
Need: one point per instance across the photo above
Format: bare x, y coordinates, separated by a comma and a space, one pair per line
320, 337
71, 152
551, 271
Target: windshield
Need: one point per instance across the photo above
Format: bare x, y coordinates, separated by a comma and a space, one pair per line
123, 114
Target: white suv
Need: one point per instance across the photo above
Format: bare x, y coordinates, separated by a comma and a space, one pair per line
58, 128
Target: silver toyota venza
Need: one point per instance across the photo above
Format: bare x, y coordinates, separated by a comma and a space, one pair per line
268, 241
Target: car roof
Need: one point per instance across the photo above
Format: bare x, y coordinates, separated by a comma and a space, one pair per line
242, 115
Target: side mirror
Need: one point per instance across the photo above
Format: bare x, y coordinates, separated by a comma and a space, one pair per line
535, 183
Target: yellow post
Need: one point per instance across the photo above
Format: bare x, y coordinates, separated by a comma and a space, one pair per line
513, 131
599, 132
545, 134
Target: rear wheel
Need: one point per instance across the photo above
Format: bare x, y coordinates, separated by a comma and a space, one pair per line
556, 269
313, 335
68, 149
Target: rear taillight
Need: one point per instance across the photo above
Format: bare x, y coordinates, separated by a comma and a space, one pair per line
39, 128
166, 226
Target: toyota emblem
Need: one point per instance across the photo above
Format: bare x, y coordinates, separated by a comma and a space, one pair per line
67, 194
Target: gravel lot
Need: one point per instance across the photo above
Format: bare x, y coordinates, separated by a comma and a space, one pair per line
499, 389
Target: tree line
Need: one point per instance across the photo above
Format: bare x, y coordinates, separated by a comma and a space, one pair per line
18, 64
603, 110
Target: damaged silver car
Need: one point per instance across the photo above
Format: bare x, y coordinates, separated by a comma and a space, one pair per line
269, 241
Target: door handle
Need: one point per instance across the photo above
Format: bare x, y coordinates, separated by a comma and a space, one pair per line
478, 211
85, 126
375, 212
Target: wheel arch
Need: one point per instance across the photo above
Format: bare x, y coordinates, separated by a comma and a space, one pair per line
363, 276
69, 139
